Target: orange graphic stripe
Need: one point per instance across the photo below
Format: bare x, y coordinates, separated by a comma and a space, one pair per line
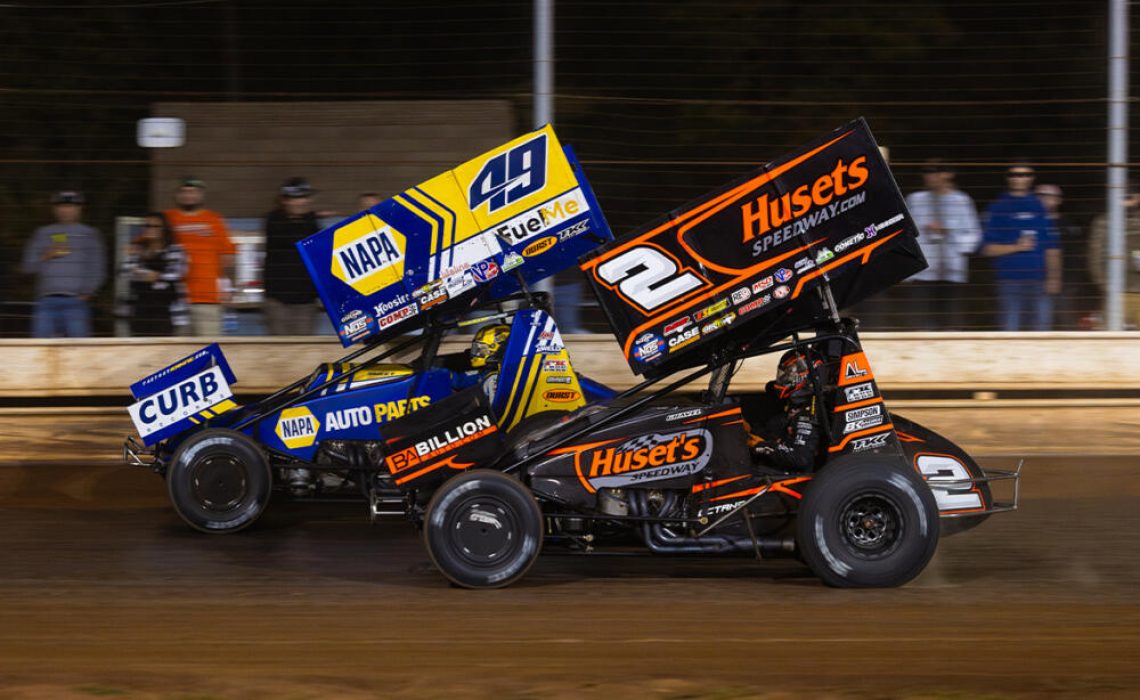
729, 412
431, 468
860, 433
710, 207
579, 449
697, 488
780, 486
865, 252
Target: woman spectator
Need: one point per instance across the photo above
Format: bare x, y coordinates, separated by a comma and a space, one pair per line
156, 268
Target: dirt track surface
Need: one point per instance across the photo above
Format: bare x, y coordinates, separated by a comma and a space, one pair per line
104, 593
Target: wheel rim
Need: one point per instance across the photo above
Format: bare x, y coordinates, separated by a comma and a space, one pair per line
219, 483
871, 524
484, 531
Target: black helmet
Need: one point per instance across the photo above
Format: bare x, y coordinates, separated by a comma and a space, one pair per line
793, 376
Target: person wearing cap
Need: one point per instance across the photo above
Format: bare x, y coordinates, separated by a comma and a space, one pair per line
949, 232
289, 295
1098, 255
1026, 253
1077, 300
68, 259
210, 256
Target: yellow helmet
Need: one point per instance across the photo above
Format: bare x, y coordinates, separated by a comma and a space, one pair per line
488, 345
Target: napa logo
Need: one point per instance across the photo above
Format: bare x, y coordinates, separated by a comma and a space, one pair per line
297, 427
510, 176
368, 254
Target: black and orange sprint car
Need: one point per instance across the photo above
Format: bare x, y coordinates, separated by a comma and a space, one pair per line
762, 265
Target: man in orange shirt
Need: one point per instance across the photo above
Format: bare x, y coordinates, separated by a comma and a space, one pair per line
203, 235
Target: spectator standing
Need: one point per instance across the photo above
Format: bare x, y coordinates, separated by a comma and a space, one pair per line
948, 233
156, 266
1020, 237
367, 200
1098, 255
289, 293
1077, 300
68, 259
210, 255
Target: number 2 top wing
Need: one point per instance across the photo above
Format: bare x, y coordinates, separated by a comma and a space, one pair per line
742, 262
522, 210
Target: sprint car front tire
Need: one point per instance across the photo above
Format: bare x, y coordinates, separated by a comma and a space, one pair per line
483, 529
866, 522
219, 481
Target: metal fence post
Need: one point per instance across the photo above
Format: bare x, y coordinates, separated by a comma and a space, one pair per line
1117, 161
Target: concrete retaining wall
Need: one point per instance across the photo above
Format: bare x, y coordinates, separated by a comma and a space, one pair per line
970, 361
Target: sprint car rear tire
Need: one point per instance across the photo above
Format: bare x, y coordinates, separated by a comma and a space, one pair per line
219, 481
866, 522
483, 529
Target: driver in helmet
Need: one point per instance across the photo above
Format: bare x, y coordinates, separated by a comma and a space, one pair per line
487, 353
790, 440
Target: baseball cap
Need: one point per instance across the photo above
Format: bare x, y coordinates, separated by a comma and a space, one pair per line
296, 187
67, 197
191, 181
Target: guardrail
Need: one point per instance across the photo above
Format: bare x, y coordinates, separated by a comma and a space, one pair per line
901, 361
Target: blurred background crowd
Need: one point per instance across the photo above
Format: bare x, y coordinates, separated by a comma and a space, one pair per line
992, 116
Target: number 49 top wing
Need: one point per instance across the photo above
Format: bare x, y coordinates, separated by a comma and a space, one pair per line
742, 262
523, 210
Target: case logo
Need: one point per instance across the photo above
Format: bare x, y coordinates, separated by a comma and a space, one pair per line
297, 427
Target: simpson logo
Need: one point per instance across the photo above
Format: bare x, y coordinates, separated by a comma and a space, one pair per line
558, 379
390, 410
677, 326
783, 275
803, 265
561, 395
762, 215
508, 177
741, 295
396, 316
762, 284
710, 310
368, 255
186, 398
646, 458
755, 304
297, 427
873, 442
850, 241
437, 445
861, 413
539, 247
858, 425
347, 418
859, 392
781, 292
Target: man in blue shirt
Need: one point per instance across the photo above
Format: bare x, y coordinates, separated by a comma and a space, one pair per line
1024, 245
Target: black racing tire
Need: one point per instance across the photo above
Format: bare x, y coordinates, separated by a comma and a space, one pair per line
866, 522
219, 481
483, 529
